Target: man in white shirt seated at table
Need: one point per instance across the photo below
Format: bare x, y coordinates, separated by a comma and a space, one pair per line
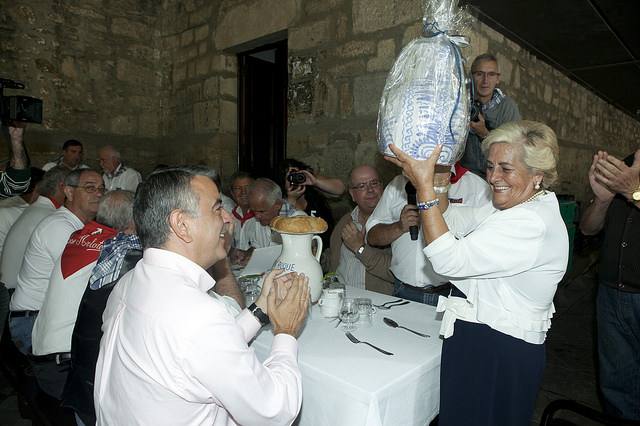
357, 263
51, 336
390, 223
82, 189
171, 354
266, 202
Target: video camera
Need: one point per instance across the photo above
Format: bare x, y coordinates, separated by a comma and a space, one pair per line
18, 108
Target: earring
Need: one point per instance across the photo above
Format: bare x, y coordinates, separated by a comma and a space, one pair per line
537, 186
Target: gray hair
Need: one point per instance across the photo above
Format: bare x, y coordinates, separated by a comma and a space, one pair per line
114, 152
268, 188
116, 209
73, 177
51, 181
539, 146
485, 57
161, 193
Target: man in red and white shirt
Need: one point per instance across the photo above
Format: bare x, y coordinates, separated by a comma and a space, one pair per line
390, 223
240, 214
51, 337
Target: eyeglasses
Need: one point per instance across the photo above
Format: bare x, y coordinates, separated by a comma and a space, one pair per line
90, 189
482, 74
372, 184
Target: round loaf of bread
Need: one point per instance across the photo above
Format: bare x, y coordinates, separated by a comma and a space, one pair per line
299, 225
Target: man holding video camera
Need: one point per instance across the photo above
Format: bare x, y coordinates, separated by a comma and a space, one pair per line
491, 108
15, 179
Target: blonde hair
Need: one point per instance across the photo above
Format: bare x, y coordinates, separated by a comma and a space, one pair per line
539, 146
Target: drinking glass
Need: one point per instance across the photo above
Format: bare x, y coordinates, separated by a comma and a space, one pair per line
349, 315
366, 311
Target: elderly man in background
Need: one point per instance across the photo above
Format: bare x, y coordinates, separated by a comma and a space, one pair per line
266, 202
357, 263
494, 109
71, 157
391, 222
51, 337
171, 354
116, 175
615, 209
83, 189
15, 179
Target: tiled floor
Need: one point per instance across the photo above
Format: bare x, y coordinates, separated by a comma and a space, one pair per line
570, 372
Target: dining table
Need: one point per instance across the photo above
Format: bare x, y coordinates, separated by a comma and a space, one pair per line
344, 383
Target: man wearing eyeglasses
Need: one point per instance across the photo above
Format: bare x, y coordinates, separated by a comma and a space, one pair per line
493, 108
82, 190
391, 223
357, 263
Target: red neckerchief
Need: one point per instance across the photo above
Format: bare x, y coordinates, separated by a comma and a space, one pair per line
56, 204
84, 247
248, 215
459, 172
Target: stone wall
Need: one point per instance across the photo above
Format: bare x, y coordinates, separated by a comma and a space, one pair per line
160, 79
96, 64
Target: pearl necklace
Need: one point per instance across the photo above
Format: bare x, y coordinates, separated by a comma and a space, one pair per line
534, 196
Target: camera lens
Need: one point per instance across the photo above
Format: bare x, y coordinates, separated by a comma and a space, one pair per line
296, 178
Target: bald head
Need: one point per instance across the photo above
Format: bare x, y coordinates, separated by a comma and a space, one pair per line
365, 188
265, 199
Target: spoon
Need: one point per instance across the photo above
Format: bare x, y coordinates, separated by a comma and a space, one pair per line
392, 323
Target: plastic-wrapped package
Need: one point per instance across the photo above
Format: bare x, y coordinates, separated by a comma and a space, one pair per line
425, 100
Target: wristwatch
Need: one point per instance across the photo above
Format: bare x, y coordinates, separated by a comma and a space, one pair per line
360, 249
636, 195
262, 318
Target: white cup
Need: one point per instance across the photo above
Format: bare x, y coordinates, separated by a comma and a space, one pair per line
331, 302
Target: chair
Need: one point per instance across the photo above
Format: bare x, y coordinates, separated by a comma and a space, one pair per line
550, 412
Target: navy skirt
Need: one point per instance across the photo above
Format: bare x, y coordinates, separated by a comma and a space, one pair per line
488, 378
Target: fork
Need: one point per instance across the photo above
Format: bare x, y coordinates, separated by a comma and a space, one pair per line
354, 340
389, 305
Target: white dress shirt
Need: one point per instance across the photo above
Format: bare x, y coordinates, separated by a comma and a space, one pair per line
172, 355
45, 246
10, 211
350, 269
50, 165
508, 267
17, 238
123, 177
408, 263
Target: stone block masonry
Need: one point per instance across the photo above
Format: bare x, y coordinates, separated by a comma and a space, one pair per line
159, 79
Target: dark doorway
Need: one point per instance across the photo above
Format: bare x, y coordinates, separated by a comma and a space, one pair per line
263, 108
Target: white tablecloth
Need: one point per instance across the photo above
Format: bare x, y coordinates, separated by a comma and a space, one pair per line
348, 384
